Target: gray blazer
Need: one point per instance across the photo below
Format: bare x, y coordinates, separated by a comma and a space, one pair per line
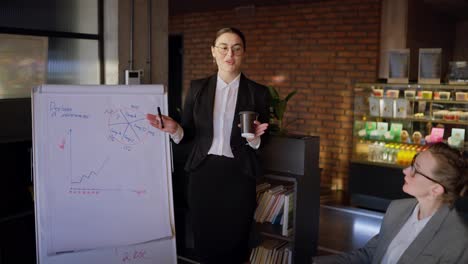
444, 239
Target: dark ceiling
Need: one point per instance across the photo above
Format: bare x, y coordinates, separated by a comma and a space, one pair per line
456, 8
188, 6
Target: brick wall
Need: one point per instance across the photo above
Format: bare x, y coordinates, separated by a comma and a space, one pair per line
319, 49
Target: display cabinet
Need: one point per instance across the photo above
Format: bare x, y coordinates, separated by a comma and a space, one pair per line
392, 123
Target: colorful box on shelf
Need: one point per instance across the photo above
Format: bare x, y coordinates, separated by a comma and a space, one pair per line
437, 135
426, 95
410, 94
440, 114
375, 106
461, 96
457, 139
388, 107
395, 131
401, 108
444, 95
370, 126
377, 92
359, 128
382, 128
452, 115
392, 93
464, 116
439, 95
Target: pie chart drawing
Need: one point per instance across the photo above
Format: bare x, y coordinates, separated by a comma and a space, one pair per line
128, 126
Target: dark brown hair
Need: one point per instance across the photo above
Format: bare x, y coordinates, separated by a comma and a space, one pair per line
233, 31
450, 171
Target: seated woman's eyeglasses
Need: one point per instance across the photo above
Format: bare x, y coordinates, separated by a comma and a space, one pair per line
414, 171
238, 50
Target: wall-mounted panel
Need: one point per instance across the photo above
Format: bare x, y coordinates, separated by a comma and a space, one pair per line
73, 61
52, 15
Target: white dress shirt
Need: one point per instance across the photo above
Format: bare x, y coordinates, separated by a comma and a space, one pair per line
405, 237
223, 117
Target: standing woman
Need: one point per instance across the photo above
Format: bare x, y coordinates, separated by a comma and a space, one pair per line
222, 165
424, 229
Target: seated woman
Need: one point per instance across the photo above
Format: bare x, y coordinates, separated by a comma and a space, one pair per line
426, 229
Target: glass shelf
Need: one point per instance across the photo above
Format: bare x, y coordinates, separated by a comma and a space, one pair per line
377, 163
413, 119
412, 86
419, 117
438, 101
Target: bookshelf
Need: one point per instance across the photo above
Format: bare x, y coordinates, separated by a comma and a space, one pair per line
294, 160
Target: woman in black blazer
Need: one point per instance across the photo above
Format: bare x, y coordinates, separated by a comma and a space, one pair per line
223, 166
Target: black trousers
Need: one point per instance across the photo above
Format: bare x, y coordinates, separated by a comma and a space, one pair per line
222, 204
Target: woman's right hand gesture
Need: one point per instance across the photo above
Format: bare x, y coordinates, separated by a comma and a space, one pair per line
170, 125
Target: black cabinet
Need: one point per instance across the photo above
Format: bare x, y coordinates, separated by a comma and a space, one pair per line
295, 159
291, 159
17, 230
374, 186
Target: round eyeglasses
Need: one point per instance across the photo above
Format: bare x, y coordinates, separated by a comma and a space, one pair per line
415, 171
238, 50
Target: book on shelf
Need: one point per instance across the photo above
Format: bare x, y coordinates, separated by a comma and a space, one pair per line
265, 202
270, 251
262, 190
287, 257
262, 187
274, 199
283, 253
275, 205
253, 255
277, 220
288, 214
261, 203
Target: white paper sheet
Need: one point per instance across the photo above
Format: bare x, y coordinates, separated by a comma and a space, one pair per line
103, 165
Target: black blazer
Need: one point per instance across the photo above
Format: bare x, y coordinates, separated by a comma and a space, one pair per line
197, 121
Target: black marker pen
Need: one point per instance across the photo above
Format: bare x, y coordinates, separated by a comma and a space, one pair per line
160, 117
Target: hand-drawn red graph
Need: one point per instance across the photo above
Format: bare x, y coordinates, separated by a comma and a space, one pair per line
86, 182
